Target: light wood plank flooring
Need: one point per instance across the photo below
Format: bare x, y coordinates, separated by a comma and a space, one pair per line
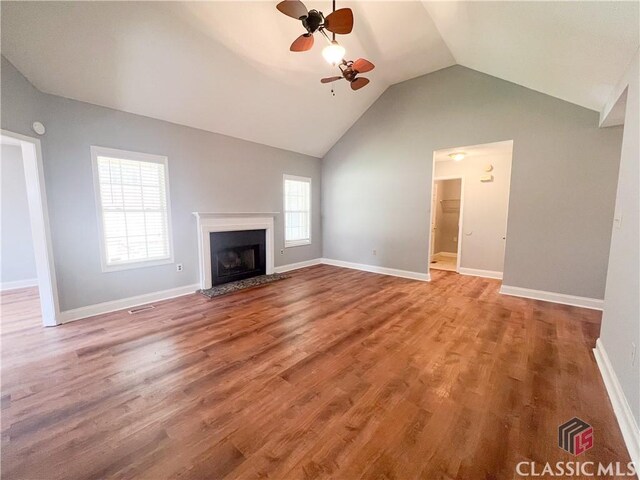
331, 373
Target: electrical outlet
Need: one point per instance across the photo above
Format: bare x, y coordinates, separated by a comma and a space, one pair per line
179, 267
375, 252
633, 354
282, 251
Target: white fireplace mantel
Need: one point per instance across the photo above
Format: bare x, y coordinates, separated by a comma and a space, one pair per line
228, 222
234, 214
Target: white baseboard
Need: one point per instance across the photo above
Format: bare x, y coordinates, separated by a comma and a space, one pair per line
297, 265
125, 303
584, 302
425, 277
628, 424
480, 273
446, 254
16, 284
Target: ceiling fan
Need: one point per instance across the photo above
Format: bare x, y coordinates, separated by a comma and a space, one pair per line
339, 21
350, 71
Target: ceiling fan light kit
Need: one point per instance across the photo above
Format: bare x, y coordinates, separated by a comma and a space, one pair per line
333, 53
337, 22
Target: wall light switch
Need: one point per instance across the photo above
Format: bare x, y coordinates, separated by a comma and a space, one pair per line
617, 220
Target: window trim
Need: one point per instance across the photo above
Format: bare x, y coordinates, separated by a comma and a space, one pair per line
96, 152
296, 243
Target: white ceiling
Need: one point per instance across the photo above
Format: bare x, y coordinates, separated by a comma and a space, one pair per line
575, 50
226, 67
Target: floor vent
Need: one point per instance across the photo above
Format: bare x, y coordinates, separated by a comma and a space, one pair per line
144, 308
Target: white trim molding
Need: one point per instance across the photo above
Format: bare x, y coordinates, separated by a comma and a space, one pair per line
296, 266
424, 277
230, 222
40, 229
474, 272
295, 178
573, 300
96, 153
621, 409
16, 284
125, 303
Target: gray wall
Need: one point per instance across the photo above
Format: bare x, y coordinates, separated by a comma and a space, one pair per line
446, 221
621, 317
17, 261
376, 179
484, 219
207, 172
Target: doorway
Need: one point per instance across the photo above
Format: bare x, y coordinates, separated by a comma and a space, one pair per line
469, 208
445, 223
25, 152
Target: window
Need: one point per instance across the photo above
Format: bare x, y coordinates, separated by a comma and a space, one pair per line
297, 211
132, 196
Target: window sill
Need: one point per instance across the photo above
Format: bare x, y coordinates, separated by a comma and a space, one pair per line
298, 243
135, 265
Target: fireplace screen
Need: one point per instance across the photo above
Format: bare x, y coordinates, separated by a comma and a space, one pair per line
237, 260
237, 255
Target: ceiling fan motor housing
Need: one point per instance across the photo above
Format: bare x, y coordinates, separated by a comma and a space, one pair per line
313, 21
349, 73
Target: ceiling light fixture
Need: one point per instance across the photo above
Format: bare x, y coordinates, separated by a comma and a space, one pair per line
457, 156
333, 53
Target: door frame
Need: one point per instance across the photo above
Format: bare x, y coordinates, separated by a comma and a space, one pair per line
40, 229
434, 179
434, 219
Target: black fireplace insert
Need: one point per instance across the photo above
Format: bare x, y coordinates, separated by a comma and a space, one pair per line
237, 255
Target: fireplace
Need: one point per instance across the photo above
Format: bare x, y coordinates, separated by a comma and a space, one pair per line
218, 222
236, 255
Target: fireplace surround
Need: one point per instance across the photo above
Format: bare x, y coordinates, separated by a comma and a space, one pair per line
231, 222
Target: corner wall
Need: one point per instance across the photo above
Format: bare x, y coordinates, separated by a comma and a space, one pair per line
376, 179
621, 316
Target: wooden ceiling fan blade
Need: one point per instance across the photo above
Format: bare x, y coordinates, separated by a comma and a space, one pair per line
362, 65
340, 21
330, 79
293, 8
303, 43
358, 83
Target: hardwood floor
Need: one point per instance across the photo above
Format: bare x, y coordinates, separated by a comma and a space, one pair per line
331, 373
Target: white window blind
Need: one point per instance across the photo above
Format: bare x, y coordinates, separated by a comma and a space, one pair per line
133, 205
297, 211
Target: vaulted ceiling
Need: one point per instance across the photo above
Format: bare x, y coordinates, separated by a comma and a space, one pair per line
226, 66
